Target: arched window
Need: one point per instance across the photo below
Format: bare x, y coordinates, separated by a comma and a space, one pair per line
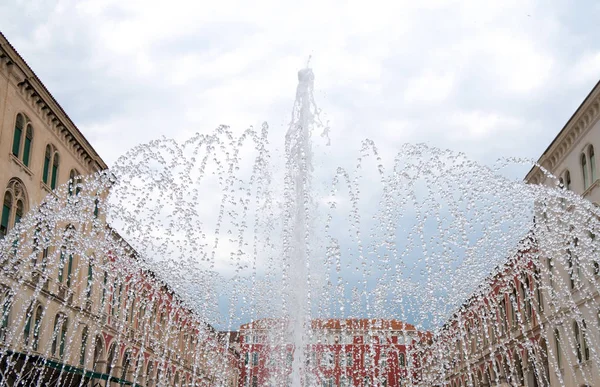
526, 290
64, 264
98, 354
567, 179
519, 368
66, 250
557, 346
401, 360
514, 306
27, 146
584, 171
126, 365
13, 206
583, 351
19, 211
36, 327
84, 339
578, 344
27, 327
74, 183
149, 375
6, 209
90, 279
7, 300
55, 164
592, 164
18, 135
96, 207
59, 335
47, 159
110, 361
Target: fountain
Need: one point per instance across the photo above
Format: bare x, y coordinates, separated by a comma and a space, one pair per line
191, 264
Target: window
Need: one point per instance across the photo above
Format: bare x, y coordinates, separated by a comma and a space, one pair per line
6, 209
27, 146
96, 207
7, 300
55, 164
383, 360
36, 328
254, 358
551, 273
526, 289
84, 338
90, 278
59, 335
27, 327
74, 183
592, 164
51, 164
47, 157
401, 360
584, 171
255, 381
345, 359
65, 263
13, 206
18, 135
327, 382
22, 149
583, 351
345, 381
513, 306
567, 179
558, 350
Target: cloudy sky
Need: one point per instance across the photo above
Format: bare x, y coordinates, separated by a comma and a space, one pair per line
491, 79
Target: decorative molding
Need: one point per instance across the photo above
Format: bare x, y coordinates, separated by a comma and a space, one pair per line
581, 122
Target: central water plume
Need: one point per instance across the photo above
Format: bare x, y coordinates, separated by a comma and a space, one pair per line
298, 219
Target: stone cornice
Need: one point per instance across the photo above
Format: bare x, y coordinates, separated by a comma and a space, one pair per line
578, 125
46, 107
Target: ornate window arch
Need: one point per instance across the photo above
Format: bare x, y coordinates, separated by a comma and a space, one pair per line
14, 205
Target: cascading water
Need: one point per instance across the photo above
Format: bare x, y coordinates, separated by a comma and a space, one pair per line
434, 271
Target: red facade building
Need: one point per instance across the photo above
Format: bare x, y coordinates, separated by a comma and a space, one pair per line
340, 352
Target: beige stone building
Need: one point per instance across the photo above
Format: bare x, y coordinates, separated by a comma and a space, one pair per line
573, 321
74, 311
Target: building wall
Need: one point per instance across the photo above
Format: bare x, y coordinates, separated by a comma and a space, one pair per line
126, 311
348, 352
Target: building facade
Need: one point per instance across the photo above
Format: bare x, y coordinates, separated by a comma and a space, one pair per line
536, 320
77, 309
341, 352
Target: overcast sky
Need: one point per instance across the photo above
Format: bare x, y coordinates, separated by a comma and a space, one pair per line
491, 79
